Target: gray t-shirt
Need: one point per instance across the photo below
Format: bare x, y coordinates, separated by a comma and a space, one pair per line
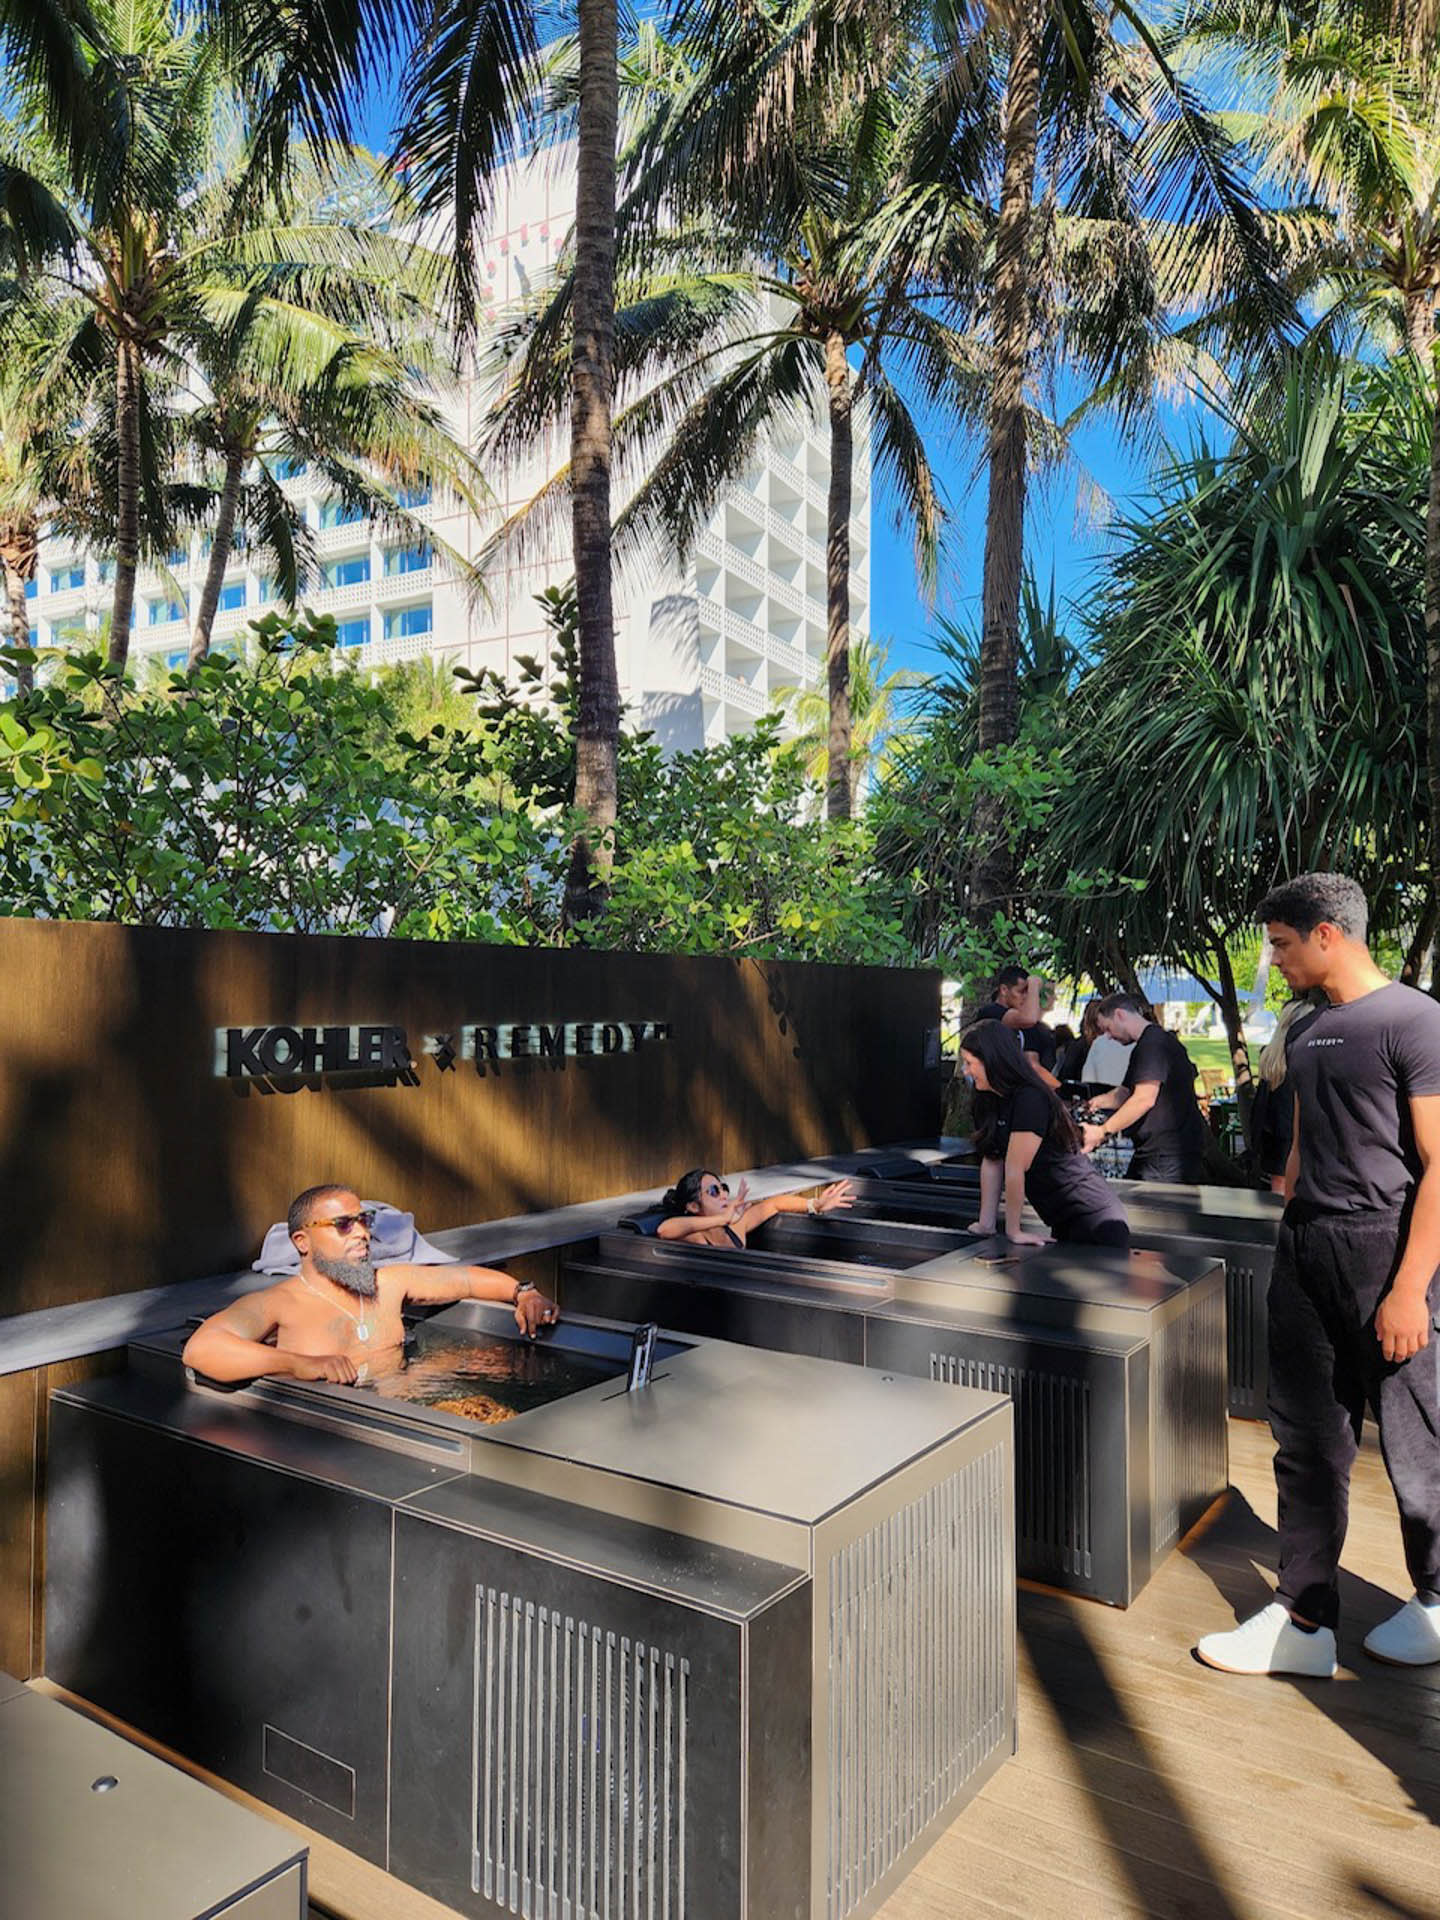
1354, 1070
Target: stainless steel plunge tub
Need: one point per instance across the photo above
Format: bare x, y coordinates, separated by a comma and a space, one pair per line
1226, 1223
1115, 1364
736, 1645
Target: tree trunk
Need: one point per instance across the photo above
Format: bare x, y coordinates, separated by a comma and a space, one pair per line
1432, 649
993, 863
219, 556
19, 554
838, 798
1422, 940
127, 511
597, 731
1235, 1036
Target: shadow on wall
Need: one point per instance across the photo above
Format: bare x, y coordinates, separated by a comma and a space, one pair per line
127, 1160
677, 720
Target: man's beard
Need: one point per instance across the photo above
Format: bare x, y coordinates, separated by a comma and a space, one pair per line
356, 1276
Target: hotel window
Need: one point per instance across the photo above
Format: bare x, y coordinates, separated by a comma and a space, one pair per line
62, 579
348, 573
418, 496
32, 587
178, 557
335, 513
353, 633
287, 468
231, 597
406, 621
407, 559
159, 612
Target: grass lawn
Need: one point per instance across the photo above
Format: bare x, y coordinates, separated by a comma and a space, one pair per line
1209, 1053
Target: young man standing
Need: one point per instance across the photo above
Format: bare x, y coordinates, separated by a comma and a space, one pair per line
1155, 1102
1354, 1296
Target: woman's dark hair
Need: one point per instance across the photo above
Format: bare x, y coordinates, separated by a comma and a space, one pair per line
1008, 1069
685, 1190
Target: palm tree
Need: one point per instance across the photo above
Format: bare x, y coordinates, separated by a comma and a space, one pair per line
288, 310
1251, 707
1142, 209
1348, 118
327, 353
731, 327
879, 730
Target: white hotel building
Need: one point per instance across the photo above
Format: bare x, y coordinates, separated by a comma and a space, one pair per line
700, 648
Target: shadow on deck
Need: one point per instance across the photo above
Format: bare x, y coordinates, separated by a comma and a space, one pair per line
1148, 1784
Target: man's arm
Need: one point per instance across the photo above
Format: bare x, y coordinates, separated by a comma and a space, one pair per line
1292, 1159
443, 1285
1402, 1324
1139, 1103
1027, 1014
234, 1345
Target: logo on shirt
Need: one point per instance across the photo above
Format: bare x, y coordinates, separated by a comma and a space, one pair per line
1338, 1041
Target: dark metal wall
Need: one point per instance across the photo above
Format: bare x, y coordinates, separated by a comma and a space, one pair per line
126, 1161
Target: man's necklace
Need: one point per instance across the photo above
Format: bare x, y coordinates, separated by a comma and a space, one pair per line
362, 1326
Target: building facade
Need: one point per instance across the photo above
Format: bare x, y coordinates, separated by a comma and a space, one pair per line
702, 648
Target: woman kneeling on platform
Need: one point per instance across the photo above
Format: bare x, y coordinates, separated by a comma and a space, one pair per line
1030, 1148
700, 1211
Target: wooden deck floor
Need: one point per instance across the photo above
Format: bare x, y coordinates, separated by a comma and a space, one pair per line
1148, 1784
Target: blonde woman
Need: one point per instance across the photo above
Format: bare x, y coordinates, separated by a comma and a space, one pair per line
1272, 1118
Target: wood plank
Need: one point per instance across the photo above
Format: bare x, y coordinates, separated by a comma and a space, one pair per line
18, 1394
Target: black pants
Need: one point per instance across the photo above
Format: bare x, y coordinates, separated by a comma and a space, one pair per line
1331, 1272
1109, 1232
1186, 1168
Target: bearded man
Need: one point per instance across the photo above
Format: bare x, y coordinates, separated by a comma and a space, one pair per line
339, 1317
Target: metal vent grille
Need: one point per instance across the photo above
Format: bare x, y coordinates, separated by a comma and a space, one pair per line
919, 1670
1053, 1479
1187, 1426
579, 1769
1240, 1289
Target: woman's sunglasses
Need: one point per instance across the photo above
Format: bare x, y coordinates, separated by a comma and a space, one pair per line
715, 1189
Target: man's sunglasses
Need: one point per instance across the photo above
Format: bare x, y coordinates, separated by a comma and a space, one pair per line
343, 1222
715, 1189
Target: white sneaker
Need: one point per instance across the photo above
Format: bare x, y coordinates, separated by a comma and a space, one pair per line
1270, 1642
1409, 1638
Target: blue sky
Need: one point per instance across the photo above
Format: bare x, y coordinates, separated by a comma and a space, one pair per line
1061, 535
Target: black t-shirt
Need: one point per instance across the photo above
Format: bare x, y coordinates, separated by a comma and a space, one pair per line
1067, 1190
1174, 1125
1354, 1070
1038, 1041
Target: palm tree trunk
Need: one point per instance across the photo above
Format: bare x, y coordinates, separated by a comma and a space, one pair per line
993, 862
127, 488
219, 556
837, 575
1420, 324
1233, 1017
597, 731
1423, 938
19, 551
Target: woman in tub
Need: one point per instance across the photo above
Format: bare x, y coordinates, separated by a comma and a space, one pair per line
700, 1210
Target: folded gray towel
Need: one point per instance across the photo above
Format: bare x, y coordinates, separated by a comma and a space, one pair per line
393, 1243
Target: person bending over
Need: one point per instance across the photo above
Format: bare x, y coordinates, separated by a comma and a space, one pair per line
1354, 1295
1030, 1149
1155, 1103
340, 1314
700, 1211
